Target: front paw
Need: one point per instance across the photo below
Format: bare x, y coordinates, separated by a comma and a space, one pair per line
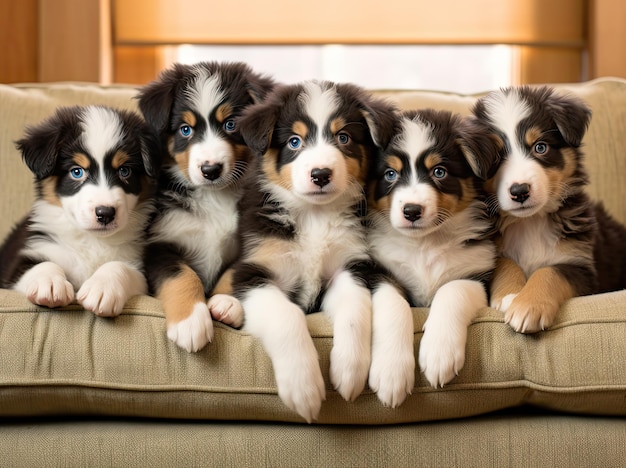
503, 303
101, 297
226, 309
300, 383
392, 375
441, 355
52, 291
195, 332
349, 369
530, 317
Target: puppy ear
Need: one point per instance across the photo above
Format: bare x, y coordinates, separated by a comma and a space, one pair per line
572, 117
481, 148
259, 86
156, 98
256, 124
41, 143
382, 119
151, 151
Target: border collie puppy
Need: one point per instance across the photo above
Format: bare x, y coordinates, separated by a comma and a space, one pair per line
194, 109
95, 170
303, 241
554, 243
430, 229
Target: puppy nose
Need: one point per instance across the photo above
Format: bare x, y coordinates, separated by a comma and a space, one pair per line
519, 192
412, 212
321, 177
211, 171
105, 214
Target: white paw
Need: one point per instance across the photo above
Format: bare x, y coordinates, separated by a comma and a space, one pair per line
105, 293
441, 355
349, 367
226, 309
300, 382
503, 303
45, 284
194, 332
392, 376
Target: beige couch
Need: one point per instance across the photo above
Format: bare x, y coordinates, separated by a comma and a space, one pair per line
83, 391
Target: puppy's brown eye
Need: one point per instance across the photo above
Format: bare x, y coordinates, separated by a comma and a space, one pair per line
540, 148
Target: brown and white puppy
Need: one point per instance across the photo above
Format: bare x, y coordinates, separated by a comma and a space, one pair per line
95, 172
431, 231
304, 246
554, 243
194, 109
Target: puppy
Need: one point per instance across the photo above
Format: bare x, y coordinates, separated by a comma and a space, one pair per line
95, 171
304, 246
194, 109
430, 230
554, 243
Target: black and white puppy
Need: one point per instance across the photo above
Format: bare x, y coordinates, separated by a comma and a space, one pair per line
304, 247
95, 170
554, 242
430, 229
194, 109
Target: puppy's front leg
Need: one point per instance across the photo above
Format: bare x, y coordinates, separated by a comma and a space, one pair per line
508, 280
105, 293
392, 373
348, 303
45, 284
442, 348
281, 326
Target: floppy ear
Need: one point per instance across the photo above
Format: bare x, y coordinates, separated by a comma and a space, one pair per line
259, 86
382, 118
150, 151
41, 144
571, 116
256, 124
156, 98
480, 147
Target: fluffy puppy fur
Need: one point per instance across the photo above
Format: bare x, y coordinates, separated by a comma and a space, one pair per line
194, 109
303, 242
430, 229
554, 243
95, 171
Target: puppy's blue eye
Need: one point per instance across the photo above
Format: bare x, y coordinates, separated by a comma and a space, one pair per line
294, 142
124, 172
391, 175
541, 148
77, 173
343, 138
186, 130
230, 125
439, 172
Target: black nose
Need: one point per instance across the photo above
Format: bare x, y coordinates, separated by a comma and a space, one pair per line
105, 214
519, 192
321, 177
211, 171
412, 212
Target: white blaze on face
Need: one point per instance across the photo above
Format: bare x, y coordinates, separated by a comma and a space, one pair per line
415, 138
205, 94
505, 112
318, 153
102, 133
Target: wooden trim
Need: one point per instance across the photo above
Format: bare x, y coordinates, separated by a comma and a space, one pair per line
75, 40
607, 38
153, 22
18, 41
549, 65
138, 65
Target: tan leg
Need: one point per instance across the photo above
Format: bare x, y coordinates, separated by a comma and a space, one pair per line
508, 279
536, 305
